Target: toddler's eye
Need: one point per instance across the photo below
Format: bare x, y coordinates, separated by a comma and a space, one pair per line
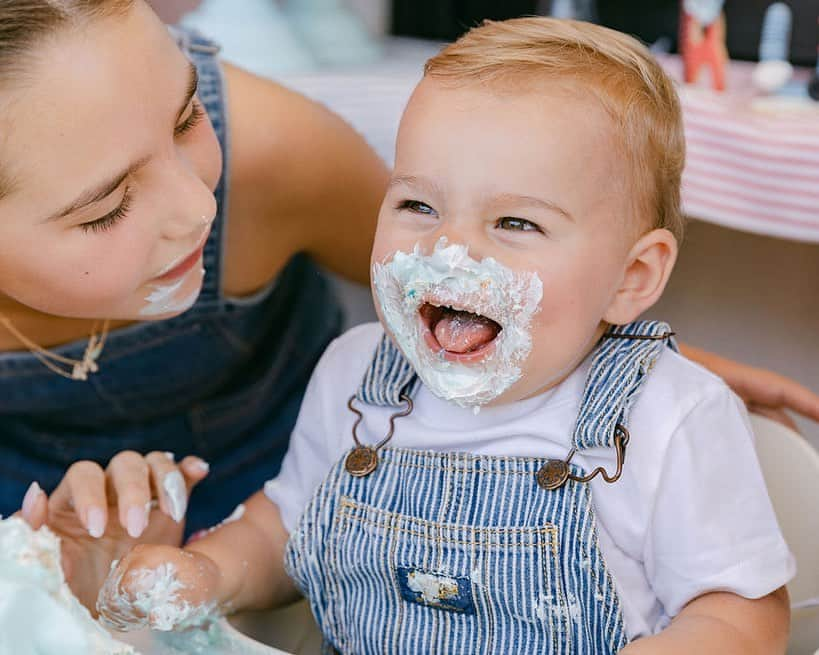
417, 207
517, 224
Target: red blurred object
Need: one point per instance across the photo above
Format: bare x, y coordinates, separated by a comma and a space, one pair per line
702, 45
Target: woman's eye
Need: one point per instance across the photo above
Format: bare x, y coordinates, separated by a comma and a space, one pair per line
517, 224
193, 119
417, 207
111, 218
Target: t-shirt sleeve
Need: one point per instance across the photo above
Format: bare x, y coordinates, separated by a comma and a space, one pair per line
713, 527
308, 458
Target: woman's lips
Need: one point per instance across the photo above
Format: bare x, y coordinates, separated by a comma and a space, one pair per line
185, 266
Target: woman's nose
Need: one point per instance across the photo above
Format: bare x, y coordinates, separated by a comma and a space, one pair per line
193, 206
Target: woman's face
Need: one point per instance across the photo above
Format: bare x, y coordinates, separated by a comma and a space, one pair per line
109, 164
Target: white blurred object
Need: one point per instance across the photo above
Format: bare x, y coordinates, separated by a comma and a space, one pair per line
39, 615
770, 76
256, 35
575, 9
791, 469
774, 70
33, 623
335, 34
705, 11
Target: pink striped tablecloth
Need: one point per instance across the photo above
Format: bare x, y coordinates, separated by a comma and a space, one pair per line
751, 163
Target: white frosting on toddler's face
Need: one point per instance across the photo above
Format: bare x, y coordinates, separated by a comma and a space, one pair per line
412, 288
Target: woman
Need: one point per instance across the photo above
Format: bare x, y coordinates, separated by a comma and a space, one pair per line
114, 180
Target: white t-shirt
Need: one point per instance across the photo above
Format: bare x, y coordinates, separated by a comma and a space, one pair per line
689, 515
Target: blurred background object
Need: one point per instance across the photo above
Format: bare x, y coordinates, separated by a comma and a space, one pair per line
702, 41
358, 24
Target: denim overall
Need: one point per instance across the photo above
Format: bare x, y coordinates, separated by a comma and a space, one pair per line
224, 380
454, 553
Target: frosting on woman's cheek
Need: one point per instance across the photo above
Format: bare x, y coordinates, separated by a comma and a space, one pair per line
463, 324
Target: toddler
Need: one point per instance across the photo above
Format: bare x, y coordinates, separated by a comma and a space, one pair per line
510, 461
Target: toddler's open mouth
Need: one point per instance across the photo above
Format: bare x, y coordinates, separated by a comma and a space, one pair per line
459, 335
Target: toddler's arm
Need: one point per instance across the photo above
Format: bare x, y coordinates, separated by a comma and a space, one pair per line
723, 623
239, 565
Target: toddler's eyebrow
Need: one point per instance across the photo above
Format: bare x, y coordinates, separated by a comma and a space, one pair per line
510, 198
416, 182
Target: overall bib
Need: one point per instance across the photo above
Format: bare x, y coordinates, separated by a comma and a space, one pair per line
408, 551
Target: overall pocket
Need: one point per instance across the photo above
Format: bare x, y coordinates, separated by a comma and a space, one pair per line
400, 584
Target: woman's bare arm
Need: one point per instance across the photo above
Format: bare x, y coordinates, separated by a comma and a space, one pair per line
301, 179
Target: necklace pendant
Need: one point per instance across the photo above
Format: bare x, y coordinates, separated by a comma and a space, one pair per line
79, 372
361, 461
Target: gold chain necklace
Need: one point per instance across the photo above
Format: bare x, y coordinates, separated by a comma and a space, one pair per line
79, 368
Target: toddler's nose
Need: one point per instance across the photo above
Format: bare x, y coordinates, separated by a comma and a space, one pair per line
449, 235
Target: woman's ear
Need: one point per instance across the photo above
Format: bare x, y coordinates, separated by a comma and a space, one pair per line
648, 267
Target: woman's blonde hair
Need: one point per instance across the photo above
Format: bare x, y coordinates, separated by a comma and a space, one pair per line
619, 70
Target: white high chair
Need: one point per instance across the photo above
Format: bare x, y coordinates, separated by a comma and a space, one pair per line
791, 469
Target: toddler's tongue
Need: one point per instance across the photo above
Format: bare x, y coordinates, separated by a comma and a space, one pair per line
464, 332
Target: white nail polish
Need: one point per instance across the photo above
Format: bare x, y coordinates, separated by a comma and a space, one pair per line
30, 498
95, 522
135, 521
171, 457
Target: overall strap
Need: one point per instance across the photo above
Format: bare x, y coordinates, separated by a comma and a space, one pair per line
389, 377
620, 365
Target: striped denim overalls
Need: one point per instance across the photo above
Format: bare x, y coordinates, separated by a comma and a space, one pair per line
432, 552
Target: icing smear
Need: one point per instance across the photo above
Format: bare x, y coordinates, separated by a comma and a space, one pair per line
38, 612
152, 600
412, 284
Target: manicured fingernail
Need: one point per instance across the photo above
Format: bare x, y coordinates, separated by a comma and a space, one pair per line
136, 520
174, 486
202, 465
30, 498
170, 456
95, 522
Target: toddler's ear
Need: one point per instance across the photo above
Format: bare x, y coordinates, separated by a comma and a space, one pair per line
648, 267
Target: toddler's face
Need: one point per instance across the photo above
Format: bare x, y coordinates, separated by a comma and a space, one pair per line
533, 186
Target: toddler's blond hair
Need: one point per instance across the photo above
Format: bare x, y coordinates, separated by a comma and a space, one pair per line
619, 70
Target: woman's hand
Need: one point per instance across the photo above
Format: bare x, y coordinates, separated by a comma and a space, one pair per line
100, 514
764, 392
160, 587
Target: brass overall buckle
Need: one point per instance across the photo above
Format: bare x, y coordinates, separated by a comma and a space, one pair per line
363, 460
555, 473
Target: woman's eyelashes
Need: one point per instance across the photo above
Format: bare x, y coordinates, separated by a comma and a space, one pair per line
111, 218
193, 119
